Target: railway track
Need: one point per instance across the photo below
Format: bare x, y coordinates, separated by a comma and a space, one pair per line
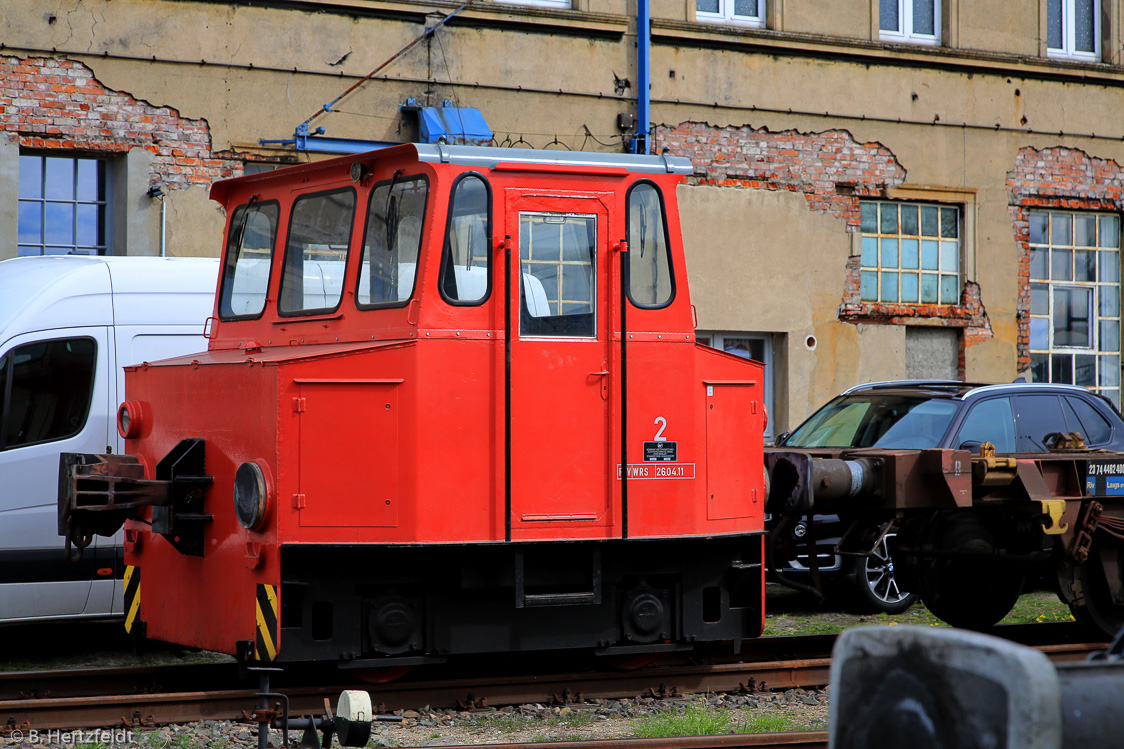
146, 696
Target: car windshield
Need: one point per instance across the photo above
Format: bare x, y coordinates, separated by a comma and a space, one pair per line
906, 422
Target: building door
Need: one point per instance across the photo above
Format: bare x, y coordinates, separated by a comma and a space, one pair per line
560, 372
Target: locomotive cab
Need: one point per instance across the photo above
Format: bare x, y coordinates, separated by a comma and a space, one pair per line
452, 403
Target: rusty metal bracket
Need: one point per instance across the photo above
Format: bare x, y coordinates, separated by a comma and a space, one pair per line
751, 687
1052, 512
471, 703
138, 721
663, 692
12, 725
1086, 526
568, 697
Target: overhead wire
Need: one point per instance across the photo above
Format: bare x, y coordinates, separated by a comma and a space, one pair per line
325, 108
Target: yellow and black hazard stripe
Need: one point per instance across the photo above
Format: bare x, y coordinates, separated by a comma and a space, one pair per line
266, 644
132, 596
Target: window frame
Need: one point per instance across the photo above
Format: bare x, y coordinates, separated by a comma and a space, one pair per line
1105, 286
559, 4
666, 241
531, 326
1067, 51
716, 340
8, 382
445, 243
878, 236
316, 311
905, 33
104, 205
726, 15
227, 266
392, 181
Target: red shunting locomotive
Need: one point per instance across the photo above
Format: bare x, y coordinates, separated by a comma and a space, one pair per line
452, 403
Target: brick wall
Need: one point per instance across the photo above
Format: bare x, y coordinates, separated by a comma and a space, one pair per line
1064, 178
833, 171
54, 103
831, 168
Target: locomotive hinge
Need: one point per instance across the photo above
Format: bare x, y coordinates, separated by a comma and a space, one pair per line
299, 501
299, 405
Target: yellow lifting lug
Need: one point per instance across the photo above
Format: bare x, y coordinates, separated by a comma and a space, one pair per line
1052, 511
992, 471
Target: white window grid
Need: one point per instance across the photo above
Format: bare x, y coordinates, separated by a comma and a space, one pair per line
736, 12
910, 253
1075, 255
912, 21
758, 346
540, 3
545, 259
1073, 29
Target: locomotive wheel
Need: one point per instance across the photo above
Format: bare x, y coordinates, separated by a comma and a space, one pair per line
1099, 613
967, 592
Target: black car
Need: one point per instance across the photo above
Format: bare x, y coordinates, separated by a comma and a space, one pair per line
912, 414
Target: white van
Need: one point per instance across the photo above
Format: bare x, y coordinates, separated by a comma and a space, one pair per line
68, 324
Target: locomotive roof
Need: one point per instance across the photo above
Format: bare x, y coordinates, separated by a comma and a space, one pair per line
485, 157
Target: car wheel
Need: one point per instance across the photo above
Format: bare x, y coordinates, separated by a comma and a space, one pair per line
875, 585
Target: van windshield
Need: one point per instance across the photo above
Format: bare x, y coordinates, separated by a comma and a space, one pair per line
877, 420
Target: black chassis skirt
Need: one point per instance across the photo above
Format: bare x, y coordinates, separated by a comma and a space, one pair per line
402, 604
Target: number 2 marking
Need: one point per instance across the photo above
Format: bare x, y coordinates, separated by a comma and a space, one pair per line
663, 425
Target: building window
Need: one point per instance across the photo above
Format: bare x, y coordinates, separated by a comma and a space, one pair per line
63, 205
758, 347
747, 12
913, 21
1075, 300
910, 253
1073, 29
542, 3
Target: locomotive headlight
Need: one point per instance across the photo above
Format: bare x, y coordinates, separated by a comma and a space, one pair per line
251, 494
129, 419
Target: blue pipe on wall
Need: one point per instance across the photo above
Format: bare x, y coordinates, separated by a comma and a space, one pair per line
643, 64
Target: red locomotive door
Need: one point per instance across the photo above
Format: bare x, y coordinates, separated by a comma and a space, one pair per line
559, 377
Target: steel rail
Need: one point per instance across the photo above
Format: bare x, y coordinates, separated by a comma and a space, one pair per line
49, 712
813, 739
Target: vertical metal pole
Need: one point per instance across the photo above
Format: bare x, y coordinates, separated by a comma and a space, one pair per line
625, 270
263, 703
644, 75
507, 328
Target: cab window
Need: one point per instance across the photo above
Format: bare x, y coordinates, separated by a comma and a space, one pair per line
316, 252
45, 390
466, 258
391, 242
650, 283
558, 274
249, 255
